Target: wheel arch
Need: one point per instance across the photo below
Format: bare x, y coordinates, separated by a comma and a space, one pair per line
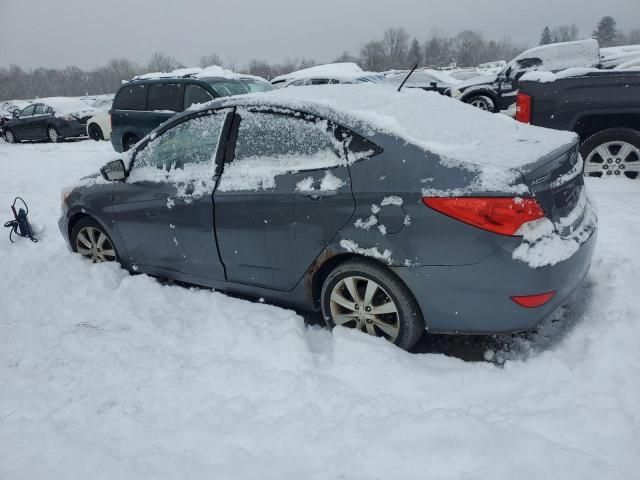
330, 261
591, 123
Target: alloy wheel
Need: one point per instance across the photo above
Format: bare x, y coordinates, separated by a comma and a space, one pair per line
361, 303
95, 245
53, 135
613, 159
9, 136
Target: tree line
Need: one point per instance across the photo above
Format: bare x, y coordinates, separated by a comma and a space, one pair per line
395, 49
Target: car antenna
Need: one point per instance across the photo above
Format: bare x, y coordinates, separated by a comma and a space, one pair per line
407, 77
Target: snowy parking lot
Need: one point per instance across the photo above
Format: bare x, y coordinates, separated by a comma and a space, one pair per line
105, 375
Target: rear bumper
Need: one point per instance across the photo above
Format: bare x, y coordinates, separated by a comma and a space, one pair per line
477, 298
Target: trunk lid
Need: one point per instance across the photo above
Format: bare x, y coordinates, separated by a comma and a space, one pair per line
558, 185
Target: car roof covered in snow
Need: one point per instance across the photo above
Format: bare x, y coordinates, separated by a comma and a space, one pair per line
64, 105
213, 71
433, 122
342, 71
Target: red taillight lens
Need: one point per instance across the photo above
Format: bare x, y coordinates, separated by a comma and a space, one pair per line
523, 107
533, 301
503, 215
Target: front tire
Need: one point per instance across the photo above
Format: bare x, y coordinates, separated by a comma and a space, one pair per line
95, 132
10, 137
612, 153
53, 135
483, 102
90, 240
364, 295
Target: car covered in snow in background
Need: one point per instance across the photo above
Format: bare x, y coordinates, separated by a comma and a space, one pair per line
148, 100
391, 212
424, 78
329, 74
99, 126
497, 91
53, 119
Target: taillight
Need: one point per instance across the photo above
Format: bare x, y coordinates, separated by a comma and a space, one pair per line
503, 215
523, 107
533, 301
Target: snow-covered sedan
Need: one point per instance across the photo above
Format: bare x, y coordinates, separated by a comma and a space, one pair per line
329, 74
390, 212
52, 119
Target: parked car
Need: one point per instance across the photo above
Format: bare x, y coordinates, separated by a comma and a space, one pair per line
99, 126
496, 92
355, 200
52, 119
423, 78
147, 101
331, 73
601, 106
9, 110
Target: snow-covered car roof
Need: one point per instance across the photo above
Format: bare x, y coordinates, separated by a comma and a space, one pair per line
455, 131
213, 71
421, 77
614, 57
560, 56
344, 72
67, 105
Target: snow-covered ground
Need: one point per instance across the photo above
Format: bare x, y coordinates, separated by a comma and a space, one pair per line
104, 375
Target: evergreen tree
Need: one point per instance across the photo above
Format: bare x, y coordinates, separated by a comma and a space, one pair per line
545, 38
606, 32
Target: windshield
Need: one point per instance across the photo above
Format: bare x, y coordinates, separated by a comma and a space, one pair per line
227, 88
371, 79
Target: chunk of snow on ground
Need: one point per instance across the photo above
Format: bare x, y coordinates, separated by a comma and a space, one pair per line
353, 247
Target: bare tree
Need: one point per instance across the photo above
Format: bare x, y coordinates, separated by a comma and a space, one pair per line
415, 56
160, 62
395, 43
209, 60
373, 56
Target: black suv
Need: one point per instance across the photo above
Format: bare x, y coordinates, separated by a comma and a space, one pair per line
142, 104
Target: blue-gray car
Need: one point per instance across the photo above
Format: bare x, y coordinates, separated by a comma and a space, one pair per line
390, 212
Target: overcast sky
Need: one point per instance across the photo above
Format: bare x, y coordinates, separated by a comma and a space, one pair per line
56, 33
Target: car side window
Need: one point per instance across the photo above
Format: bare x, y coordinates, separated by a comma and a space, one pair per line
165, 97
40, 110
131, 97
194, 94
271, 144
188, 147
28, 112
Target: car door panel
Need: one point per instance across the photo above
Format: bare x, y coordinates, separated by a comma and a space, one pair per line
165, 215
271, 229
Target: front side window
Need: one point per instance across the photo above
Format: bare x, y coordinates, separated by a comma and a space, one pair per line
271, 144
186, 150
132, 97
165, 97
40, 109
194, 94
28, 112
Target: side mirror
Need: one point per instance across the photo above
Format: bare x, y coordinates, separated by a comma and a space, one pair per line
114, 171
507, 72
16, 114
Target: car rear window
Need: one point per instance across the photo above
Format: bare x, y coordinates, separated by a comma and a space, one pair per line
165, 96
133, 97
194, 94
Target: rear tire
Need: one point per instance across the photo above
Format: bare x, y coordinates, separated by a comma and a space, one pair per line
129, 142
95, 132
53, 135
612, 153
10, 137
384, 306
